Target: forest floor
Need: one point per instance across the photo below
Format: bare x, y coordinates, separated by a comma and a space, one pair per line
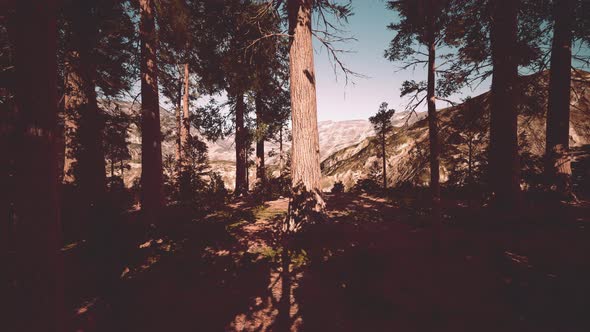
372, 266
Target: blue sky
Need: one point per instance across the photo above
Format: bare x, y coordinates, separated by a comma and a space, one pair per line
338, 101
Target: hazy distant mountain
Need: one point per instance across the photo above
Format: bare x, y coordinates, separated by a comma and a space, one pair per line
407, 149
334, 136
348, 151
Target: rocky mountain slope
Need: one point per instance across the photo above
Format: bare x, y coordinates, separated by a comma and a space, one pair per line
334, 136
461, 126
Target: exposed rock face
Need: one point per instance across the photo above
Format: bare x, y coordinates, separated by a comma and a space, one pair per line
348, 150
407, 148
334, 136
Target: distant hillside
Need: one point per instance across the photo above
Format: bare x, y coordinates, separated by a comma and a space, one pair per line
334, 136
407, 149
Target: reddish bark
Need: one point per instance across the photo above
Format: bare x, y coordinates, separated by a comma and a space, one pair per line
305, 164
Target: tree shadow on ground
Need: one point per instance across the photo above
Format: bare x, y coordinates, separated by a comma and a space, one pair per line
367, 268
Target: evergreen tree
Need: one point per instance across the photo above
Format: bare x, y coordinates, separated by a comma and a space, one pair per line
382, 124
151, 138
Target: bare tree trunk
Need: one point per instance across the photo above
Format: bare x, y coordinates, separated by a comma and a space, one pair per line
36, 292
185, 129
504, 159
558, 166
433, 131
260, 167
178, 117
240, 141
152, 198
70, 114
305, 157
122, 171
84, 121
384, 162
281, 162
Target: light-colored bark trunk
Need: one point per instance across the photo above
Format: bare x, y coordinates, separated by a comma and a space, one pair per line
305, 156
152, 198
240, 141
281, 160
260, 166
384, 161
185, 121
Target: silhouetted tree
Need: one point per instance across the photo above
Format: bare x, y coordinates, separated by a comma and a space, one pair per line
558, 166
151, 138
382, 124
424, 22
97, 41
504, 159
36, 291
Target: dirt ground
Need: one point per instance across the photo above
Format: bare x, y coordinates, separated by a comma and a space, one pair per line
373, 265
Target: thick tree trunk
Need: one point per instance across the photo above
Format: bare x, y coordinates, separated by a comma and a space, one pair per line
558, 166
504, 159
384, 161
305, 156
433, 132
260, 167
151, 137
84, 121
240, 141
36, 292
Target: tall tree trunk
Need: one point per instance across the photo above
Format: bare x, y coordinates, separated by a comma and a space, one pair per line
240, 141
38, 286
305, 156
70, 118
185, 121
84, 121
558, 167
260, 167
122, 171
504, 159
433, 130
178, 117
281, 162
151, 137
384, 161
